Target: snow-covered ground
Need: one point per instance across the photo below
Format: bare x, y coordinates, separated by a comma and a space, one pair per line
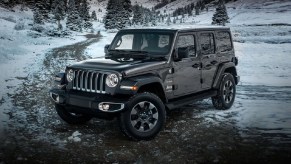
262, 35
22, 52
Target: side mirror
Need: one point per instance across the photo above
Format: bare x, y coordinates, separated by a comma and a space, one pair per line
179, 54
106, 48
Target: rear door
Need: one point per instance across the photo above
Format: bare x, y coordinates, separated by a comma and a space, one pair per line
187, 71
225, 50
209, 60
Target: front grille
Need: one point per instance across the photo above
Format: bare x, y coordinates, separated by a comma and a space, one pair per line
89, 81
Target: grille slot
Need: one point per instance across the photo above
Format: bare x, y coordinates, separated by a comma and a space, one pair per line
89, 81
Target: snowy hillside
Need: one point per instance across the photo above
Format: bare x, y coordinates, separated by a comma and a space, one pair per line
100, 5
247, 12
241, 12
169, 8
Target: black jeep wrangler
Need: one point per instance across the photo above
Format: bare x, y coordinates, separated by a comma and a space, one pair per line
146, 72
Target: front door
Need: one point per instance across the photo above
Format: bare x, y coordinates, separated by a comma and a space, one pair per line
209, 59
187, 71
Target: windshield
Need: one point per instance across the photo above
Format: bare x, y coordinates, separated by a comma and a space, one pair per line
150, 43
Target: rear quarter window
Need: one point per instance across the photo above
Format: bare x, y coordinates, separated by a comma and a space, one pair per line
207, 43
223, 40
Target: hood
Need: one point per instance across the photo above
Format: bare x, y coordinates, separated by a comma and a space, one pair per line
127, 68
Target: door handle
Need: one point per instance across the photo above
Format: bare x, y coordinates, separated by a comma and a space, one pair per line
213, 62
196, 65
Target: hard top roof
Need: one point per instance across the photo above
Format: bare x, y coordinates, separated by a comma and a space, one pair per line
198, 28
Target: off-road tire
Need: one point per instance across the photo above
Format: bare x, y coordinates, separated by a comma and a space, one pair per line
132, 121
71, 118
226, 93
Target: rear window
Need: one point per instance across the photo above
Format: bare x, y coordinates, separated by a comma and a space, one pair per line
207, 43
223, 41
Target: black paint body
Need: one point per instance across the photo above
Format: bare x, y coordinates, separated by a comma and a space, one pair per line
172, 78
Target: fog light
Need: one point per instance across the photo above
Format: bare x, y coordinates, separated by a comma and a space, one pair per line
55, 97
104, 107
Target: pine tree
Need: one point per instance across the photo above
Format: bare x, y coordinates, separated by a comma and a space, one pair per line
127, 7
202, 5
84, 14
37, 17
168, 20
84, 10
192, 6
110, 17
197, 9
153, 18
73, 19
94, 16
189, 10
43, 7
220, 17
146, 20
59, 11
38, 12
121, 19
137, 15
77, 4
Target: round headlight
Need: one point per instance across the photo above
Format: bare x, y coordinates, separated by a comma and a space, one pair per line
112, 80
70, 75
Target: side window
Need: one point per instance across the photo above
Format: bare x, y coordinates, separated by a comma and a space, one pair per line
186, 46
207, 43
223, 41
125, 42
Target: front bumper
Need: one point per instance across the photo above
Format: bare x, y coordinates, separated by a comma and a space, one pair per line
93, 102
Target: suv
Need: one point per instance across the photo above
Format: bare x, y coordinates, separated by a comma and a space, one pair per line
146, 72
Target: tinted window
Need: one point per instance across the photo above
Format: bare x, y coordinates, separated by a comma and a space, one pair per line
125, 42
207, 43
154, 42
186, 46
223, 41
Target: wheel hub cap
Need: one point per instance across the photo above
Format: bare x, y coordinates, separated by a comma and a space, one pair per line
144, 116
228, 91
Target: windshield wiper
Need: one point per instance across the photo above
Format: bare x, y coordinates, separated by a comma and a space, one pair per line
127, 54
135, 54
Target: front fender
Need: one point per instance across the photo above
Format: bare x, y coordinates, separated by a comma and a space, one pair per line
138, 81
144, 80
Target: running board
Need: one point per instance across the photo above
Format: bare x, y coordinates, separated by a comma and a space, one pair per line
190, 99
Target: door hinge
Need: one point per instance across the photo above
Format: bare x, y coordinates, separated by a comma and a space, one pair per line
201, 81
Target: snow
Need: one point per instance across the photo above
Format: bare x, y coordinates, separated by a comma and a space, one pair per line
171, 7
75, 137
264, 64
21, 55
